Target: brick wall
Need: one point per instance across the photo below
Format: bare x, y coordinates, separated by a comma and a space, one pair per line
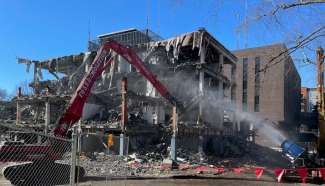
279, 84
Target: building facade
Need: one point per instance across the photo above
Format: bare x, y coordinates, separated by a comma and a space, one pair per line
313, 95
267, 85
304, 99
309, 98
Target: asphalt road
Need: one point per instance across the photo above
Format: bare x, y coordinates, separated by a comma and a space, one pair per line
186, 182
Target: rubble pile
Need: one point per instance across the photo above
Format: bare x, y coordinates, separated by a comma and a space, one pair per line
150, 157
256, 156
7, 110
148, 160
104, 165
154, 163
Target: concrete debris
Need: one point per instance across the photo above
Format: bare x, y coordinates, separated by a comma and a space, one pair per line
104, 165
116, 166
7, 110
153, 163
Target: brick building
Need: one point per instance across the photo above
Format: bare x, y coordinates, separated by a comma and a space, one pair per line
309, 98
304, 99
273, 93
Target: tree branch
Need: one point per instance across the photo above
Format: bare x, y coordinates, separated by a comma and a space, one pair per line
285, 6
312, 36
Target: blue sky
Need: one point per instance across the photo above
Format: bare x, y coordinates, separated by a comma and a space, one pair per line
39, 29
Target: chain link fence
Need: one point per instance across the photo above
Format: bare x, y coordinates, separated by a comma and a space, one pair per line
28, 157
32, 158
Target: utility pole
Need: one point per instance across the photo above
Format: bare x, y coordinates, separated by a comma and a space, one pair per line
321, 111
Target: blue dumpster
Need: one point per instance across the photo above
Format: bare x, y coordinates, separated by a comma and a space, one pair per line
292, 149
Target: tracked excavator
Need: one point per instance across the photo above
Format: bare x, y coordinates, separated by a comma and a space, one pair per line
40, 157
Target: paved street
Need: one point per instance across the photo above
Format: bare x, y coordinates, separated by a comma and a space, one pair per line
186, 182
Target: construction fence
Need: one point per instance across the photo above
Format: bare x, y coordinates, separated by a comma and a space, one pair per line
29, 157
33, 158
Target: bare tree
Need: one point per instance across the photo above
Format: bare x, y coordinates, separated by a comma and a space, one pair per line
285, 6
300, 22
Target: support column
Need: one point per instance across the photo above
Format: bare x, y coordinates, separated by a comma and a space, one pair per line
233, 88
201, 95
220, 84
124, 114
201, 92
18, 112
36, 89
237, 120
39, 139
220, 92
47, 116
201, 82
251, 131
173, 140
122, 139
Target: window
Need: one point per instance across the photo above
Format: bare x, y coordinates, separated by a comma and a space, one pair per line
257, 84
256, 103
245, 78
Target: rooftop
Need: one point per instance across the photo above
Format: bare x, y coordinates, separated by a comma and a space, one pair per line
117, 32
275, 45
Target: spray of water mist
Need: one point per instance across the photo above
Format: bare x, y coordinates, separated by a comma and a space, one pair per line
265, 127
185, 87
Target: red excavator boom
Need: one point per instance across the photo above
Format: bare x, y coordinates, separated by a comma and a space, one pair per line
103, 59
44, 155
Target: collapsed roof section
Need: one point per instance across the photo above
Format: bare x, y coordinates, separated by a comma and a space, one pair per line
198, 39
65, 64
186, 49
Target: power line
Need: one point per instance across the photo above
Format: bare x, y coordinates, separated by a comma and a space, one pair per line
158, 17
246, 26
148, 14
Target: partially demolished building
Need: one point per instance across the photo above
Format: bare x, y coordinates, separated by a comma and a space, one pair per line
197, 69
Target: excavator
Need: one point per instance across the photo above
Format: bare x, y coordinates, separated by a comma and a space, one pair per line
44, 156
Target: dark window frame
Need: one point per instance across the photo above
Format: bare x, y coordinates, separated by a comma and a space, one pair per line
257, 85
245, 83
